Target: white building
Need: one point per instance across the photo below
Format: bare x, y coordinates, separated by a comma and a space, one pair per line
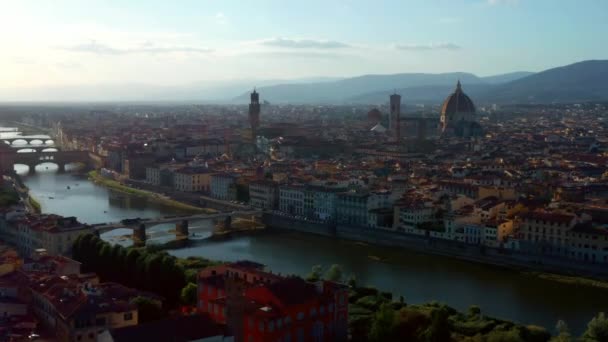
153, 175
192, 179
291, 199
53, 233
263, 194
222, 185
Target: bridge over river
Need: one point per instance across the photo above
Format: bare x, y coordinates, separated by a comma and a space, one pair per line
139, 225
9, 157
28, 139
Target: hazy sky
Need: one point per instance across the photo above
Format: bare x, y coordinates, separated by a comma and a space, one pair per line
64, 42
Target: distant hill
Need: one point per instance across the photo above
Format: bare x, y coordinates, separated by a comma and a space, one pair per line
504, 78
435, 94
344, 90
579, 82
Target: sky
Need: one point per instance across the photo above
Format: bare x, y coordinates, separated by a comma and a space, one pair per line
73, 42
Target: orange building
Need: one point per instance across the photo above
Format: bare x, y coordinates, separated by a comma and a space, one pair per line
261, 306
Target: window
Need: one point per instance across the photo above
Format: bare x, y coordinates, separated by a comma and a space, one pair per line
261, 326
300, 316
250, 321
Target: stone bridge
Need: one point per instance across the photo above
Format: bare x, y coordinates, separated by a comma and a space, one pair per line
61, 158
139, 225
37, 148
45, 139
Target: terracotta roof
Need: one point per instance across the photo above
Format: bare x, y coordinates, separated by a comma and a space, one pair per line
457, 102
293, 290
177, 329
548, 217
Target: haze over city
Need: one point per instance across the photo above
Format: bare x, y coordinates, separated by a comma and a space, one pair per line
53, 47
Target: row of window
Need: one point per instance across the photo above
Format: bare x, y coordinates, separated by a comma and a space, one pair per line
279, 323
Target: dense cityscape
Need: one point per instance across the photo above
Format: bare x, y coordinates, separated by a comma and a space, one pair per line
521, 187
318, 171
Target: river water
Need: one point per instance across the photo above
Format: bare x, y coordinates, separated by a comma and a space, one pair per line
418, 277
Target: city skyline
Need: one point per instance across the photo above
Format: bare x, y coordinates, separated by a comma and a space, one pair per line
158, 43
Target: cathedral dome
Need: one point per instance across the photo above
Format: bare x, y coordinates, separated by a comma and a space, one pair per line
457, 102
374, 115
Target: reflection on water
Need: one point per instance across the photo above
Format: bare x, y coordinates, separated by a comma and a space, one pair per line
418, 277
69, 194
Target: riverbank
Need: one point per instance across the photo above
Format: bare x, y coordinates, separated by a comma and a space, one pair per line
563, 271
114, 185
23, 192
34, 204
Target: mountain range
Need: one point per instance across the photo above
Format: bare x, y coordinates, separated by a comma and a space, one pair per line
580, 82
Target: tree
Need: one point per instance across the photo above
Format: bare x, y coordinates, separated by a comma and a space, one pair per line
439, 330
315, 273
410, 324
511, 335
597, 329
131, 264
188, 294
334, 273
563, 332
105, 261
118, 270
474, 311
352, 281
534, 333
147, 309
77, 247
383, 324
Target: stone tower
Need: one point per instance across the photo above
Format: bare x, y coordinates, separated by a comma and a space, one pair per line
394, 118
254, 115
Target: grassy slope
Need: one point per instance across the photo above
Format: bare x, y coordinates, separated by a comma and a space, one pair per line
112, 184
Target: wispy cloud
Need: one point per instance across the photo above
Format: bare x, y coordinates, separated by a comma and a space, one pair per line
220, 18
300, 54
502, 2
95, 47
304, 43
427, 47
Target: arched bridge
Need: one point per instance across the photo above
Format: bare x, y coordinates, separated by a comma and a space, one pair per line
45, 139
36, 148
139, 225
61, 158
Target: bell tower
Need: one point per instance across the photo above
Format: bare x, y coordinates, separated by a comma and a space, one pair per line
254, 115
394, 118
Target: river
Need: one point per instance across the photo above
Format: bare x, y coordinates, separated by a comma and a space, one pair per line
419, 278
